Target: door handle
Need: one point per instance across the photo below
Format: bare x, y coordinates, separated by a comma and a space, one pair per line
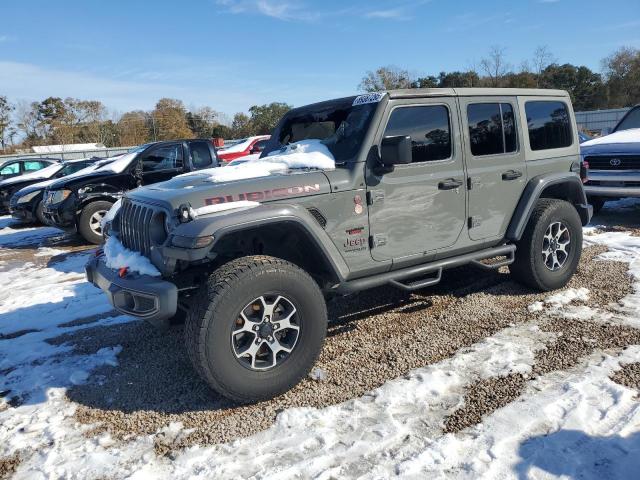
511, 175
449, 184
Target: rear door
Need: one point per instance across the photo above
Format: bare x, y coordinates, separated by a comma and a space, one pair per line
11, 169
162, 162
495, 163
418, 208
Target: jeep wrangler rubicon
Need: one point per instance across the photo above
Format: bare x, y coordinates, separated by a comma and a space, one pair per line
419, 181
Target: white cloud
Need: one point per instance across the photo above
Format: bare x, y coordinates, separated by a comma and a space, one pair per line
282, 10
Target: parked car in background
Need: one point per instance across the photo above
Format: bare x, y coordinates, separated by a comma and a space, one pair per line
79, 203
26, 191
9, 186
613, 162
20, 166
247, 146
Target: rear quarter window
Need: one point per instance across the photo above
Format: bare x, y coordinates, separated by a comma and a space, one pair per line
549, 124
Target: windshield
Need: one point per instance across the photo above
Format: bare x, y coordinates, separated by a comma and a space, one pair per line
632, 120
340, 124
138, 149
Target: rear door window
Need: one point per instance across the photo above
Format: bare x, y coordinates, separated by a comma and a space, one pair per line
201, 155
428, 127
165, 157
492, 128
549, 125
33, 166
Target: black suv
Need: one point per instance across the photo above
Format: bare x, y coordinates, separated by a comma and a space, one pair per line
79, 203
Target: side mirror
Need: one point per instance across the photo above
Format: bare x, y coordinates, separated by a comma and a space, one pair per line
396, 150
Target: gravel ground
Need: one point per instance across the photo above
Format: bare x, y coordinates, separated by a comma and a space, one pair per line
8, 465
629, 376
373, 337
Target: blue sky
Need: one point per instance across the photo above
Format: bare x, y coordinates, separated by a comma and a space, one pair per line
231, 54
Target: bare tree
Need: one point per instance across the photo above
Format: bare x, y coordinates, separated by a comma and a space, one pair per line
386, 78
542, 58
495, 65
5, 120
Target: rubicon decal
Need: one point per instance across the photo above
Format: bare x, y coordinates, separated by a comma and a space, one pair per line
265, 194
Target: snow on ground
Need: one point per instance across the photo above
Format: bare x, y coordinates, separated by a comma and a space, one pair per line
575, 423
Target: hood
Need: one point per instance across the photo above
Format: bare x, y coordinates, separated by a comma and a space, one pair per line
199, 191
624, 141
35, 187
293, 171
102, 168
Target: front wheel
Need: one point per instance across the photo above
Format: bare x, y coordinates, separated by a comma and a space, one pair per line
90, 222
256, 329
548, 253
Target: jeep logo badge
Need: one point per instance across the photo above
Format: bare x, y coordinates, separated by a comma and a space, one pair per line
615, 162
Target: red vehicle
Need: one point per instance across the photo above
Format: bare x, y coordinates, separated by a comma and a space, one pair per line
246, 146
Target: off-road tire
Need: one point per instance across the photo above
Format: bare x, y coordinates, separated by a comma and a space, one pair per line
597, 203
215, 308
83, 223
39, 216
529, 267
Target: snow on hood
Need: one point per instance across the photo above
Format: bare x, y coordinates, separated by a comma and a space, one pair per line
222, 207
624, 136
304, 154
43, 173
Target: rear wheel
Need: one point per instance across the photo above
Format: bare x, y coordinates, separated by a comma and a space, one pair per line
256, 329
90, 223
548, 253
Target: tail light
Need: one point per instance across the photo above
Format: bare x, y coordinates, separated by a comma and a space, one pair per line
584, 171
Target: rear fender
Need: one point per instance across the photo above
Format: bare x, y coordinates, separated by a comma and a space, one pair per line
565, 186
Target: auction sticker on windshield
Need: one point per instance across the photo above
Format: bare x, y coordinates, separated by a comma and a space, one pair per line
368, 98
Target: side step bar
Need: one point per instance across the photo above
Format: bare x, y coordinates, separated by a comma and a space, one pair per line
396, 277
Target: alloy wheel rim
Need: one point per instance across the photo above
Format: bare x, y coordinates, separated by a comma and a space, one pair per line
266, 332
556, 246
95, 221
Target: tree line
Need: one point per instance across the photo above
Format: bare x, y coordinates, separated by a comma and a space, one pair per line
617, 86
57, 121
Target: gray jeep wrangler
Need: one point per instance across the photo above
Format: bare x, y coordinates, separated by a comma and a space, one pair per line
424, 180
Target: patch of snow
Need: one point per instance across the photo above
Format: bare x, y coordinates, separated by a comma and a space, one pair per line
624, 136
116, 165
318, 374
222, 207
111, 214
300, 155
118, 256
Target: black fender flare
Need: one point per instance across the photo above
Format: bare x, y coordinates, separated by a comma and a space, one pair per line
572, 190
224, 223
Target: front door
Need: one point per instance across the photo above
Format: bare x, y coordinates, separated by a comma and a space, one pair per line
419, 208
162, 163
495, 163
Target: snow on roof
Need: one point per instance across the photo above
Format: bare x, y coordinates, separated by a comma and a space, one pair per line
623, 136
304, 154
72, 147
243, 145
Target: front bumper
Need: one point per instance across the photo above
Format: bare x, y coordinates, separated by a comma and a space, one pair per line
613, 183
61, 215
141, 296
23, 212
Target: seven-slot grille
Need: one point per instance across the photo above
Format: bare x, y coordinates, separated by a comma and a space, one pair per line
613, 162
135, 223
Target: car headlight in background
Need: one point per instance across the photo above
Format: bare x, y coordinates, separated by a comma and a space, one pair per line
59, 195
29, 196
